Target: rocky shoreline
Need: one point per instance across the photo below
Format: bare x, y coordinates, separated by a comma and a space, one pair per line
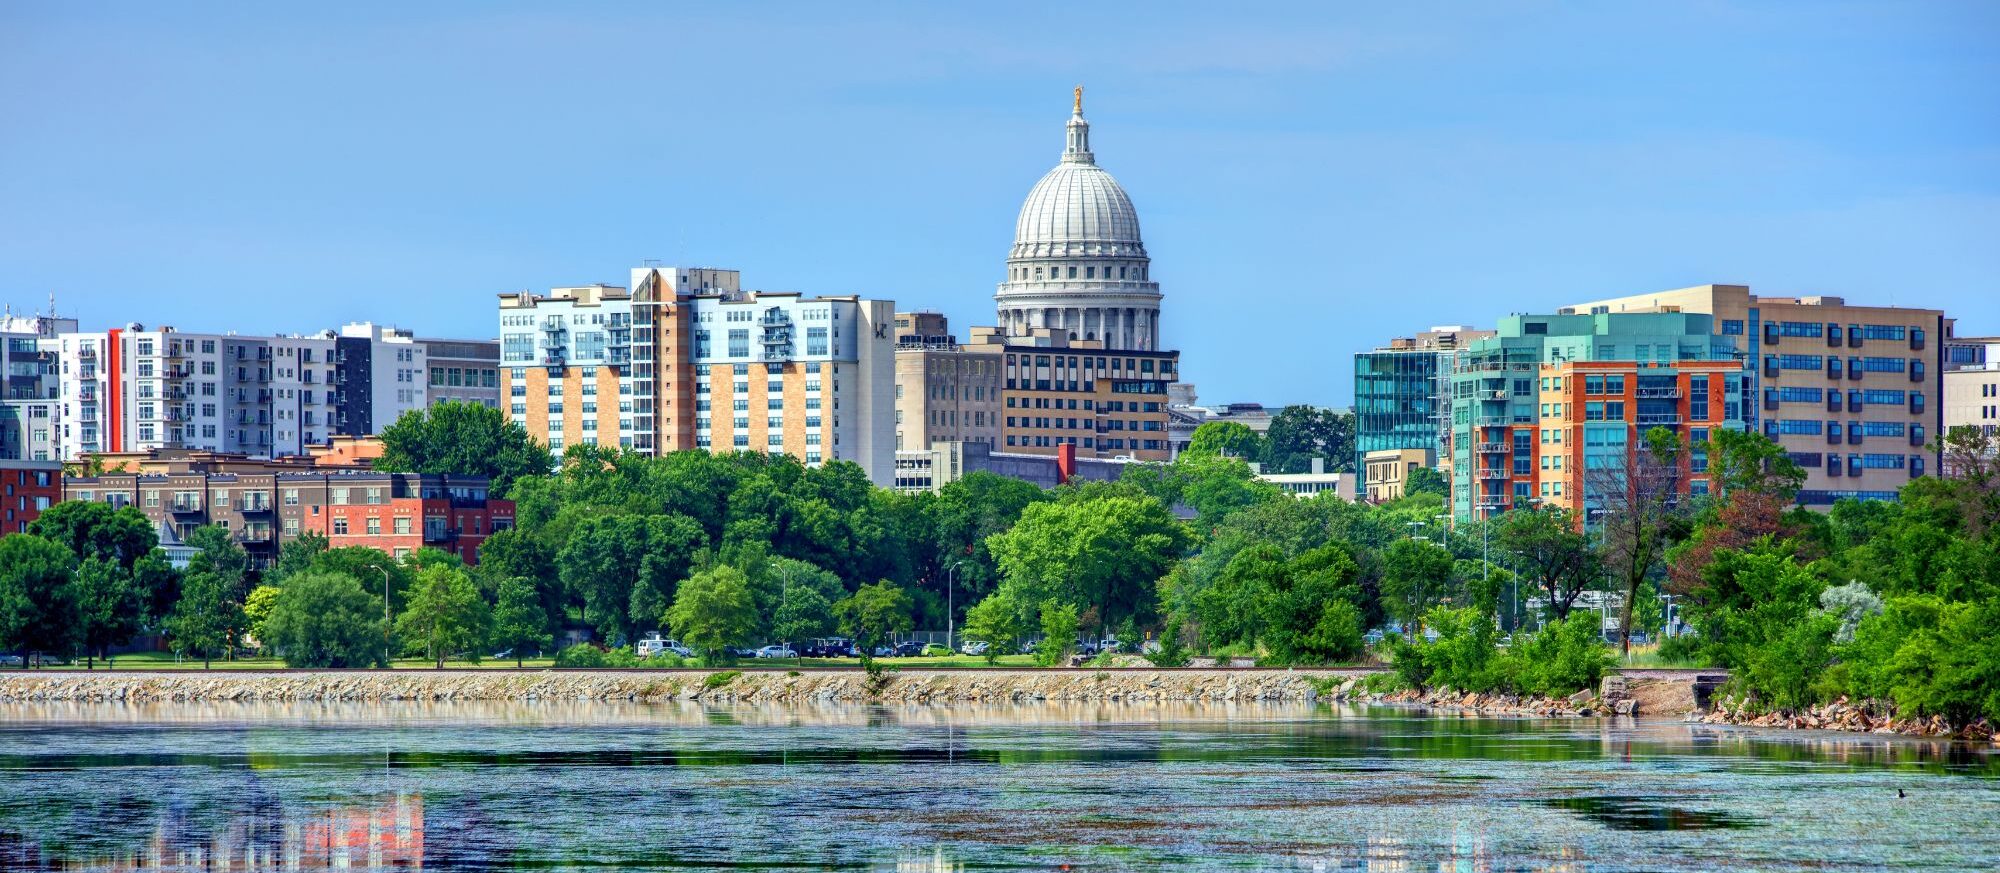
1843, 715
719, 686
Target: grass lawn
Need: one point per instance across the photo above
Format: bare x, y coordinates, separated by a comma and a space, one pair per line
1649, 656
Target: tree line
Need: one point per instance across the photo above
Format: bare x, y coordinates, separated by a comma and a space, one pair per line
1883, 600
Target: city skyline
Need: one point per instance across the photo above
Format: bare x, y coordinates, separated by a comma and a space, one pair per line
197, 169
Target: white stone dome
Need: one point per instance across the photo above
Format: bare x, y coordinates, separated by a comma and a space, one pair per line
1077, 209
1078, 264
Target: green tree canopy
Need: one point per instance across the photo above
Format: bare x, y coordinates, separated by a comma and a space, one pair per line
1298, 434
326, 619
94, 530
713, 610
463, 439
1107, 552
446, 615
623, 568
1226, 438
519, 623
1424, 480
872, 613
38, 609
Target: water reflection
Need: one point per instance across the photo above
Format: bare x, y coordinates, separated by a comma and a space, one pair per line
571, 786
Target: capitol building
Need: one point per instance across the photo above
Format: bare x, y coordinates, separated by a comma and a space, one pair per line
1078, 263
1073, 369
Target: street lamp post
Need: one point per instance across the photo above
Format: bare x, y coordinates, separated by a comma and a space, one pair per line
950, 618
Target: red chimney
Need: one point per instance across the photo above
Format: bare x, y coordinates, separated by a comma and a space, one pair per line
1065, 462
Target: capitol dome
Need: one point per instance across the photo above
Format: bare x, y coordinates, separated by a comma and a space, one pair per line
1078, 263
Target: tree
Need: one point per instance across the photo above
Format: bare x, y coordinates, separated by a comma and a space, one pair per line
1548, 549
1232, 439
1740, 461
803, 613
1415, 576
713, 610
998, 621
446, 615
95, 530
1309, 610
624, 568
257, 610
205, 622
463, 439
1639, 495
1059, 628
296, 556
1424, 480
1104, 551
323, 619
1214, 486
1298, 434
518, 620
872, 613
38, 609
110, 605
955, 524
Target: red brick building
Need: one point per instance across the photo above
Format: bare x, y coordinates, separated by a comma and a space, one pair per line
27, 488
265, 508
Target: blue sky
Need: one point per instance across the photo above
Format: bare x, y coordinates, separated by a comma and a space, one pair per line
1311, 179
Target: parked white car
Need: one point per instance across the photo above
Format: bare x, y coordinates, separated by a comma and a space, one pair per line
777, 652
654, 644
974, 647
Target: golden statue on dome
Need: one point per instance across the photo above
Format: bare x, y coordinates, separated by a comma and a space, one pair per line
1079, 100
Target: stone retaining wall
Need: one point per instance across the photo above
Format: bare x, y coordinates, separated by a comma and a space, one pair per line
853, 686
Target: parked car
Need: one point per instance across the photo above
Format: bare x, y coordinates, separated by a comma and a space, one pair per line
1110, 645
885, 651
654, 644
1087, 648
975, 647
10, 660
778, 651
909, 649
1028, 648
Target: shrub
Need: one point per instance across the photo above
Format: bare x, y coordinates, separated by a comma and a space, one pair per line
583, 655
717, 680
1562, 658
1173, 652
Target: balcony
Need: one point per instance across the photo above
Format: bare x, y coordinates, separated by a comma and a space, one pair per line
256, 502
1649, 419
1659, 393
1492, 473
439, 533
1491, 448
185, 506
254, 535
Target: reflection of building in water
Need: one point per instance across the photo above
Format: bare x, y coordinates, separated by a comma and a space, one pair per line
1388, 855
936, 863
385, 836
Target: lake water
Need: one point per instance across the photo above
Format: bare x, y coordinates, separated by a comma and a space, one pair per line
561, 786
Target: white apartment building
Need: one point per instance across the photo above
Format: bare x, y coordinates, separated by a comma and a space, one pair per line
28, 386
135, 389
689, 360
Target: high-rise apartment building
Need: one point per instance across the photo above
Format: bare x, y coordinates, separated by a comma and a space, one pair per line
686, 359
467, 371
1972, 384
1852, 392
945, 392
134, 389
1400, 396
30, 387
1535, 405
